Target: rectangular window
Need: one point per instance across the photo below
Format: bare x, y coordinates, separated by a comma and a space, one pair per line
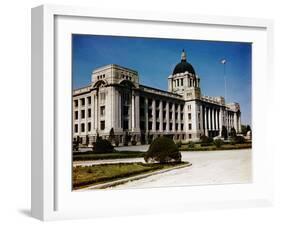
89, 113
125, 124
102, 125
189, 136
102, 97
157, 114
76, 115
125, 110
82, 113
181, 126
149, 125
181, 116
82, 127
102, 111
76, 128
82, 101
75, 103
190, 126
171, 126
181, 81
89, 100
157, 126
164, 126
142, 125
189, 116
89, 126
177, 126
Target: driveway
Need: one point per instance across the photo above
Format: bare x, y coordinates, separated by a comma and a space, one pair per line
209, 167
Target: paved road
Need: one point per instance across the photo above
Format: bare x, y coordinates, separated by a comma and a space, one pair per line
209, 167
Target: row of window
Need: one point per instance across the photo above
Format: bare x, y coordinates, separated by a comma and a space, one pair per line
83, 113
126, 77
101, 76
178, 82
89, 128
178, 126
82, 101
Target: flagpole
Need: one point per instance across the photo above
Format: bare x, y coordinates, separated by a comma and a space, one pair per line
223, 61
224, 81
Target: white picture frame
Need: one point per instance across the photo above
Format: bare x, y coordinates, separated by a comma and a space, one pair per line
52, 197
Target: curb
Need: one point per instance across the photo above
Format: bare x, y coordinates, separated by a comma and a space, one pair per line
125, 180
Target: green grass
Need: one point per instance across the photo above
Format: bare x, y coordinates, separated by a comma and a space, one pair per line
212, 147
100, 156
84, 176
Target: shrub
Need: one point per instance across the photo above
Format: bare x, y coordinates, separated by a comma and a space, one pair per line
75, 145
232, 132
111, 137
163, 150
206, 141
127, 138
218, 143
224, 133
239, 140
116, 142
87, 140
190, 144
103, 146
179, 144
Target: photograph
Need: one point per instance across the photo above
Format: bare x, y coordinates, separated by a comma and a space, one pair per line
151, 112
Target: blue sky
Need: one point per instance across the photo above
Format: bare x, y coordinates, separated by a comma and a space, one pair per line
155, 59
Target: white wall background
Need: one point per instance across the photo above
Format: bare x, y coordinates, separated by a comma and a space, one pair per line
15, 111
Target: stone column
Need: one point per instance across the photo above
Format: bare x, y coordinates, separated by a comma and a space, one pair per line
209, 119
133, 111
213, 119
173, 117
205, 121
92, 114
146, 113
161, 116
153, 115
137, 112
220, 120
201, 117
119, 110
167, 117
239, 123
96, 112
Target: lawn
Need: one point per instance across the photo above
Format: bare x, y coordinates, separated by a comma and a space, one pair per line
78, 156
84, 176
212, 147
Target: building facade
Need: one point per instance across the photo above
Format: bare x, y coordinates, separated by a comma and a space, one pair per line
115, 99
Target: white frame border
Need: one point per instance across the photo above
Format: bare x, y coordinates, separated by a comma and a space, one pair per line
43, 88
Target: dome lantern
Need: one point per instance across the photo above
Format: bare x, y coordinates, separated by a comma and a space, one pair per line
183, 66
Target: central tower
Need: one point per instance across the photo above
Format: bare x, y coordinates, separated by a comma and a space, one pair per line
184, 80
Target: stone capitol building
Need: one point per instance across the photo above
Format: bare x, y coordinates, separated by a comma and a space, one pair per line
115, 99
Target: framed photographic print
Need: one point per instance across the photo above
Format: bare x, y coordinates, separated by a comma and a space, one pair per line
136, 113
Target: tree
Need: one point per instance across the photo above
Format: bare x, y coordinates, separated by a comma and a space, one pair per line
224, 132
232, 132
163, 150
87, 140
103, 146
218, 143
248, 128
206, 141
111, 135
243, 129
